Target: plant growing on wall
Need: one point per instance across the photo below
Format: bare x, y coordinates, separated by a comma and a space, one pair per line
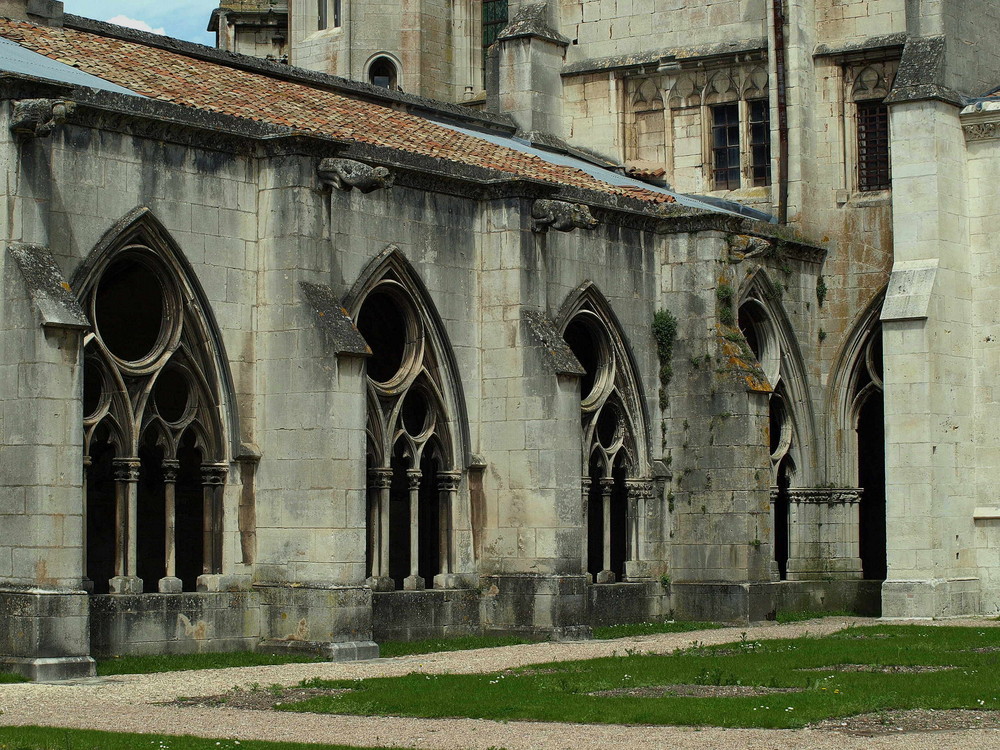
724, 293
665, 333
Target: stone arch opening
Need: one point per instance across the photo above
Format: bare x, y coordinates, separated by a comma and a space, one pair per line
382, 72
417, 520
154, 434
869, 427
615, 465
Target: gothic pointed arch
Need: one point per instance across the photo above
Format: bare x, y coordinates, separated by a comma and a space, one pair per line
858, 439
770, 335
615, 462
156, 392
417, 430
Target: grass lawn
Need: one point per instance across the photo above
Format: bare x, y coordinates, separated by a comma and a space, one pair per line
967, 676
185, 662
49, 738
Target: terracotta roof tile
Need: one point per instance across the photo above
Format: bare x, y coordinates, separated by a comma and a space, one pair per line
213, 87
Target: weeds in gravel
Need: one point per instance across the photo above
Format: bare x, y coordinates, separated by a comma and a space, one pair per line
823, 674
185, 662
650, 628
806, 614
50, 738
461, 643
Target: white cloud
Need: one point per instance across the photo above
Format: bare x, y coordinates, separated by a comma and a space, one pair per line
132, 23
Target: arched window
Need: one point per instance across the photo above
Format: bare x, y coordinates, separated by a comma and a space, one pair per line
382, 72
615, 460
417, 522
153, 431
789, 417
868, 418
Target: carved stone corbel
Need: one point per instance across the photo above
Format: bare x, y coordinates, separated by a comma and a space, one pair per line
561, 216
744, 246
37, 118
347, 174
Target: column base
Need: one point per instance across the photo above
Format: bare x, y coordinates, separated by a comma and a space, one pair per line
456, 580
170, 585
414, 583
51, 669
637, 570
125, 585
606, 576
380, 583
346, 651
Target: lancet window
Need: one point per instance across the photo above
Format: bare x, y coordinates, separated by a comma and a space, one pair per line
154, 448
415, 515
615, 484
868, 417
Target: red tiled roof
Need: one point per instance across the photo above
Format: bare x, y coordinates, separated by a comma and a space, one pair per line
213, 87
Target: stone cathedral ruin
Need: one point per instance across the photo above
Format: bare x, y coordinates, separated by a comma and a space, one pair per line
465, 316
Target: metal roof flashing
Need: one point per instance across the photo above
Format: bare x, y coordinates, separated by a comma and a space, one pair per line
16, 59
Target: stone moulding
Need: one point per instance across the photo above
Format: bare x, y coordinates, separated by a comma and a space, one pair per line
816, 495
981, 131
339, 331
48, 289
347, 174
561, 216
544, 332
37, 118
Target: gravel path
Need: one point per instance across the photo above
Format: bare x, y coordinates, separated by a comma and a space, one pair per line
129, 703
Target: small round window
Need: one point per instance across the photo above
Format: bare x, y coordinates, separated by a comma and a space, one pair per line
130, 310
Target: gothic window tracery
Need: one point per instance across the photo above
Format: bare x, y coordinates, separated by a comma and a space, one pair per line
615, 483
413, 459
153, 437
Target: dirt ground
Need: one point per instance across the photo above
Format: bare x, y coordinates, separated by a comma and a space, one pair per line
230, 703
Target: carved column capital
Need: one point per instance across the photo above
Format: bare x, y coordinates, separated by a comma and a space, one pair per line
170, 468
585, 485
607, 486
126, 469
449, 481
380, 479
214, 474
413, 477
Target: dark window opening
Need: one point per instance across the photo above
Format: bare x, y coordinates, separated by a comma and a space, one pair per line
595, 519
873, 147
382, 73
760, 143
726, 146
399, 519
781, 519
619, 519
748, 328
337, 19
580, 337
429, 520
129, 310
494, 21
383, 324
101, 512
151, 518
322, 15
190, 514
871, 478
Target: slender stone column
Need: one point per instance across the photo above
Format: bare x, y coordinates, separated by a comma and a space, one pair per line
379, 484
585, 485
85, 583
414, 582
126, 473
606, 575
213, 479
170, 583
448, 483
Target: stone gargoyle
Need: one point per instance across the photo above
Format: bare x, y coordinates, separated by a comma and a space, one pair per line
746, 246
37, 118
347, 174
561, 216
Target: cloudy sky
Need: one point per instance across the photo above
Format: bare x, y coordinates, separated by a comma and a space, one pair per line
184, 19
